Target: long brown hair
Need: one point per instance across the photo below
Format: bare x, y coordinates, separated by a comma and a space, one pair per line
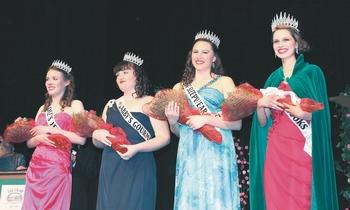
68, 95
189, 72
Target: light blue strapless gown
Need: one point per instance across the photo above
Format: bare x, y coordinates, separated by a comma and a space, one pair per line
206, 172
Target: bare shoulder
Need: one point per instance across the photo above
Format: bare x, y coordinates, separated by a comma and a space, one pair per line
226, 85
41, 109
77, 106
225, 80
146, 99
177, 86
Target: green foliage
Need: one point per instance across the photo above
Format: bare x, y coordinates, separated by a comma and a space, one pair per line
344, 145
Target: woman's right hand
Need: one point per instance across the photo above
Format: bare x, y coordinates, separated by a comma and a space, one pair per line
270, 101
101, 136
172, 112
41, 129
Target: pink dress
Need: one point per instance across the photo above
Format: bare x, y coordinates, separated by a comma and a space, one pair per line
288, 168
48, 178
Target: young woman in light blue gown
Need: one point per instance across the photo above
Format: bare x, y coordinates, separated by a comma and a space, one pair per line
206, 172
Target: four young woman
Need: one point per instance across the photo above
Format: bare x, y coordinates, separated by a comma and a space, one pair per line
286, 170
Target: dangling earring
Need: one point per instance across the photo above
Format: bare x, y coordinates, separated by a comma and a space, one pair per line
296, 50
213, 65
275, 55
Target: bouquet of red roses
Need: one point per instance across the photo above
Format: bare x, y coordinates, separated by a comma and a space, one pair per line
243, 101
119, 139
85, 123
61, 142
19, 131
156, 109
306, 104
207, 130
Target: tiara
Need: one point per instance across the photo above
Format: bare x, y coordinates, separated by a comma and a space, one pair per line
131, 57
61, 65
208, 35
288, 21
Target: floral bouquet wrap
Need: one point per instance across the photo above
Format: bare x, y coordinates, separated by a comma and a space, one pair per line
85, 123
156, 109
19, 131
242, 102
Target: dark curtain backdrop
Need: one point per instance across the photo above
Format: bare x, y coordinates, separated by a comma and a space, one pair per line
92, 37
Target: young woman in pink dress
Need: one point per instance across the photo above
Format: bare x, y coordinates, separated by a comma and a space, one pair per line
48, 179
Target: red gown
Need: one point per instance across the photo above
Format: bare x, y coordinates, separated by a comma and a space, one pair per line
288, 168
48, 178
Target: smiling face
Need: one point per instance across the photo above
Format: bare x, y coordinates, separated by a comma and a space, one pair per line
126, 79
55, 83
283, 44
202, 55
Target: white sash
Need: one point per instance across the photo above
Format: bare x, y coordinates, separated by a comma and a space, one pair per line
196, 98
130, 119
305, 129
50, 118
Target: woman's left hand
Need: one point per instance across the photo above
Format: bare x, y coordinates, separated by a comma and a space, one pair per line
132, 150
196, 121
41, 129
296, 111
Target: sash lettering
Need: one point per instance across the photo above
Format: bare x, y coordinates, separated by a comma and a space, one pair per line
50, 118
130, 119
195, 98
305, 129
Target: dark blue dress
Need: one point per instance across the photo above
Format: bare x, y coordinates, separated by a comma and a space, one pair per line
127, 184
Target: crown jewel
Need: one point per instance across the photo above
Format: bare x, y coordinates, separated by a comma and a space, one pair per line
131, 57
61, 65
284, 20
208, 35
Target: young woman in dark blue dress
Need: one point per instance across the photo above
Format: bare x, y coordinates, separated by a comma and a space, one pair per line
128, 180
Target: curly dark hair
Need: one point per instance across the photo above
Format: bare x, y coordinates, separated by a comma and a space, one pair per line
68, 95
303, 46
189, 72
143, 86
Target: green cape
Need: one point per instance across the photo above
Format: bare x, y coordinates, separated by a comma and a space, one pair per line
307, 81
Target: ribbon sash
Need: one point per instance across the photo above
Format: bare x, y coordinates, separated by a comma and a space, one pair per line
305, 129
50, 118
130, 119
196, 99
